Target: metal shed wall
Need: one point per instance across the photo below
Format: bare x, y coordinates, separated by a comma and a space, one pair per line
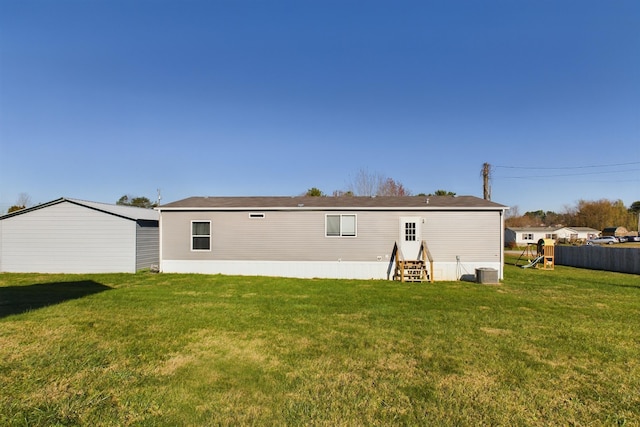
67, 238
147, 244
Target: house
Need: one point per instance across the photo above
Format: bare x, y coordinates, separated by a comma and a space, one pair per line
75, 236
330, 237
581, 233
521, 236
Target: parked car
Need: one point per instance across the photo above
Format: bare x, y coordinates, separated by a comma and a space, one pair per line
608, 240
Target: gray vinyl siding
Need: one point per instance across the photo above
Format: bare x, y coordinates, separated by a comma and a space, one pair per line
147, 244
300, 235
67, 238
474, 236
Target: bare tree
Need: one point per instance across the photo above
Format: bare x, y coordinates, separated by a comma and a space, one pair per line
369, 184
513, 218
24, 200
365, 183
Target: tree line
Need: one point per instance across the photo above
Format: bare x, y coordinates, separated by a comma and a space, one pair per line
369, 184
597, 214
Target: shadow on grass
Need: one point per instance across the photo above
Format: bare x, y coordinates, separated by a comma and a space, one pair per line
20, 299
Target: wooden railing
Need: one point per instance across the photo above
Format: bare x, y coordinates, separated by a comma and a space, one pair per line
425, 254
393, 262
413, 270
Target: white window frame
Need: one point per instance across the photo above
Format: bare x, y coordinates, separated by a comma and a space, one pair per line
200, 235
342, 225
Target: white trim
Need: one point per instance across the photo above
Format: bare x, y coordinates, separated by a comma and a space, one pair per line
160, 242
297, 269
200, 235
333, 208
443, 271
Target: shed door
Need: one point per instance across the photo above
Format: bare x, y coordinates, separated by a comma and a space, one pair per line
410, 236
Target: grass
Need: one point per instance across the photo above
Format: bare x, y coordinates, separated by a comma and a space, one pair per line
542, 348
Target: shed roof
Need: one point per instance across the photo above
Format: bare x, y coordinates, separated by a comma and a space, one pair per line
534, 229
585, 229
543, 229
127, 212
334, 203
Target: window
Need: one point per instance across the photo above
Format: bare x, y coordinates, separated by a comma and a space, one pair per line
527, 236
341, 225
201, 235
410, 232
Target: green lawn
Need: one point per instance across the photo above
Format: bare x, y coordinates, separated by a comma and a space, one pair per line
555, 347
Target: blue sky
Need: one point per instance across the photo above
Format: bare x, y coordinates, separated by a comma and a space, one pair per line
101, 98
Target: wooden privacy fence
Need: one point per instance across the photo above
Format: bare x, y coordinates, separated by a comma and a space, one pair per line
622, 260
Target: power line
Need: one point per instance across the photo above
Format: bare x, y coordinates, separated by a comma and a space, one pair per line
568, 174
566, 167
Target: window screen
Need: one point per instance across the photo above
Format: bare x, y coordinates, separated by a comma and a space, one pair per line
333, 225
348, 225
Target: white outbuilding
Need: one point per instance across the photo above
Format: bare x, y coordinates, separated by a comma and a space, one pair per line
77, 236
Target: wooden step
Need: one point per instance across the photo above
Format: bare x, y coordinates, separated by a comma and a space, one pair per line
414, 271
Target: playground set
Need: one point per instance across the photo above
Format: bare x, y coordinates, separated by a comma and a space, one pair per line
544, 257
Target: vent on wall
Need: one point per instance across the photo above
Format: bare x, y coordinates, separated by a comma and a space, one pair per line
256, 215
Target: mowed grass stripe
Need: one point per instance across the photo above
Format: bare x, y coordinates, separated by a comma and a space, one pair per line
542, 348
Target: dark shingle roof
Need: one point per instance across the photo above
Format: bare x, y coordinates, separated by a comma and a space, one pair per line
344, 202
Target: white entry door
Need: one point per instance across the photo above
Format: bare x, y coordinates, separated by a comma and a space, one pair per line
410, 236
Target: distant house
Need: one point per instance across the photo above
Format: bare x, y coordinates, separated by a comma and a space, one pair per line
329, 237
75, 236
581, 233
521, 236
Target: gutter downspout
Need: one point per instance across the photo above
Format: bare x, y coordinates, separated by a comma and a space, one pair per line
160, 242
502, 244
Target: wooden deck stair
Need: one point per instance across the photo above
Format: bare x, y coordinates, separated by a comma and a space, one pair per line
411, 270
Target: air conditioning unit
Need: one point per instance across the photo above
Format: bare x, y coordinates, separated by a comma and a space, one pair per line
487, 276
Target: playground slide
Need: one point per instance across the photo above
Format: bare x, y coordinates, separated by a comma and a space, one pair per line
534, 262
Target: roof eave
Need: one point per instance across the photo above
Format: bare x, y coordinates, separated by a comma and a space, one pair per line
335, 208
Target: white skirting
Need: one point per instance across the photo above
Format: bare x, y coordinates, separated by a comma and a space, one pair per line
443, 271
301, 269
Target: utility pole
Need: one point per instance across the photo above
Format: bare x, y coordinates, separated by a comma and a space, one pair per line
486, 181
